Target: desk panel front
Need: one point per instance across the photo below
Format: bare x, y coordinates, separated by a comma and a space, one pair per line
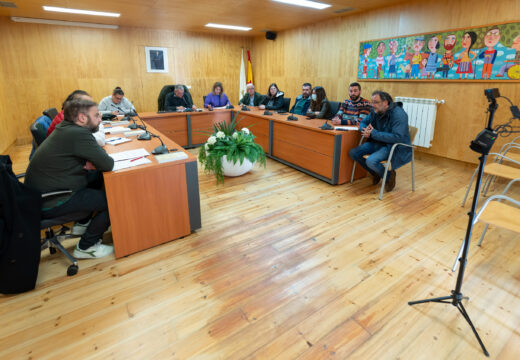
153, 203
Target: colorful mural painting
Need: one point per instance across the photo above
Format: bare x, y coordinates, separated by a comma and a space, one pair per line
484, 53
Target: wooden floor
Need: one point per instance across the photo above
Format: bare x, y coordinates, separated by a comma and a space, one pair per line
286, 267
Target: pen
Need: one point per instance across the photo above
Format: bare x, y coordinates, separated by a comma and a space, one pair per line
114, 139
140, 157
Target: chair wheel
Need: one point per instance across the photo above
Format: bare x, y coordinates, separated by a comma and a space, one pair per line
52, 250
72, 270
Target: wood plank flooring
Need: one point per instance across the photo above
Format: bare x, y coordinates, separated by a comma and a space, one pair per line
285, 266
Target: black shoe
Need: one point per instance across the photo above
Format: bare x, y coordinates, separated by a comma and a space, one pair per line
375, 179
390, 181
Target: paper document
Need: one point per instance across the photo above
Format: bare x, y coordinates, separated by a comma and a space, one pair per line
118, 165
346, 127
134, 133
122, 122
115, 130
129, 154
116, 140
219, 107
172, 156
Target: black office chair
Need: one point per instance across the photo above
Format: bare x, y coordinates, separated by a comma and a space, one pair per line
165, 91
51, 113
334, 108
203, 99
286, 104
39, 133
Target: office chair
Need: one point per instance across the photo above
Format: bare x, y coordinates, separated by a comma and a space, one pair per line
334, 108
388, 163
39, 132
286, 104
50, 113
165, 91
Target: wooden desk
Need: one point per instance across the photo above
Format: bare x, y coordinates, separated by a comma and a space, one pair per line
299, 144
152, 203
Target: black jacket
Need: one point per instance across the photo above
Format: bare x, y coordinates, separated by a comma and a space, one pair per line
275, 103
20, 213
172, 101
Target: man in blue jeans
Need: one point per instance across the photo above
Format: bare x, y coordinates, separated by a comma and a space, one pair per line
386, 125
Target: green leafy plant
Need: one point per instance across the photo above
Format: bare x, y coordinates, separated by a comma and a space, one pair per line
236, 145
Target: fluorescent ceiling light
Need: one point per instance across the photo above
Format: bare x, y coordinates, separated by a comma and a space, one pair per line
230, 27
78, 11
306, 3
63, 23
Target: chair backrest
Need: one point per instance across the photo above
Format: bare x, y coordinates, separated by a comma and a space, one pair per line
203, 99
286, 104
334, 107
165, 91
38, 131
413, 132
51, 113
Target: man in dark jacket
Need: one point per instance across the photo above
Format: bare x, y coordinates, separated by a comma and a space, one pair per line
178, 100
386, 125
251, 97
62, 162
303, 101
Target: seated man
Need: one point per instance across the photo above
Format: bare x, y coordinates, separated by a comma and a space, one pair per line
386, 125
116, 104
178, 100
251, 97
62, 162
77, 95
301, 105
353, 110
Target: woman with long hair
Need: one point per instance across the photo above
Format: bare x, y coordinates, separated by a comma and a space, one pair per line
217, 97
466, 56
320, 106
274, 98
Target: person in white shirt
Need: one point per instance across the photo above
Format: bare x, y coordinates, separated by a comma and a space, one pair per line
116, 103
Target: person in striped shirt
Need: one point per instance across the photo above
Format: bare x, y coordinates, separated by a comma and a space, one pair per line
353, 110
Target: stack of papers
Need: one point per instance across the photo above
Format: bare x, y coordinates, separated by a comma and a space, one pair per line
130, 158
116, 140
115, 130
346, 127
134, 133
121, 122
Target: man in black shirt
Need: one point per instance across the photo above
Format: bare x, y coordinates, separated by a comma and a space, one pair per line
62, 162
178, 100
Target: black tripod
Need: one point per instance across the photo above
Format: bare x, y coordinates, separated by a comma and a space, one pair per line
481, 144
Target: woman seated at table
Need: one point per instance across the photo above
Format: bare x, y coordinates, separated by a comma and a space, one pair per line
320, 106
273, 100
216, 98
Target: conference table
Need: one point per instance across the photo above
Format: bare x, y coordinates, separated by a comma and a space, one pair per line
152, 203
300, 144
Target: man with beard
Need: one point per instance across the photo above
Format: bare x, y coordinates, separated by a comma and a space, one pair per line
353, 110
386, 125
447, 58
63, 161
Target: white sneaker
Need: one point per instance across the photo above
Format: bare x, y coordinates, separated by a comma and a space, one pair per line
95, 251
79, 229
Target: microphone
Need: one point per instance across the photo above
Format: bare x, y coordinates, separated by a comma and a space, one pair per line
230, 106
245, 108
292, 117
161, 149
267, 112
326, 126
146, 135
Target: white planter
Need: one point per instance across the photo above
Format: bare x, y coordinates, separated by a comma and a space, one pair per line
230, 169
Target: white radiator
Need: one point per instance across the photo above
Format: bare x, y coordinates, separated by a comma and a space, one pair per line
421, 114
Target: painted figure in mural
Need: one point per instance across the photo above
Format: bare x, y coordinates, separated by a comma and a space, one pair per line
510, 63
380, 60
424, 73
393, 58
415, 59
366, 51
466, 56
490, 54
447, 58
433, 57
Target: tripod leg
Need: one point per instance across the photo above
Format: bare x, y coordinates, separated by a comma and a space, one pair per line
466, 316
439, 299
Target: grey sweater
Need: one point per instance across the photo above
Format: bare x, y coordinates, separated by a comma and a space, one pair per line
106, 106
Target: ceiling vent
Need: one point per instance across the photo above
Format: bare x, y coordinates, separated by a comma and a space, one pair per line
341, 11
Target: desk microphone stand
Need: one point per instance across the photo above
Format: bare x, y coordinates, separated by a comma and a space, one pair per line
481, 144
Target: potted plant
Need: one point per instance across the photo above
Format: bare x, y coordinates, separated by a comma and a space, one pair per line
229, 151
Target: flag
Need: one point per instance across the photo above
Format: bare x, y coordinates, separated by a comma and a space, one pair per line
242, 87
249, 69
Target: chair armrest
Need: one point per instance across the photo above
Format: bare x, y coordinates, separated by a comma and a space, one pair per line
396, 145
501, 156
19, 176
56, 193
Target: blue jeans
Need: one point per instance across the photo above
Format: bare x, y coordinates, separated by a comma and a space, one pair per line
378, 152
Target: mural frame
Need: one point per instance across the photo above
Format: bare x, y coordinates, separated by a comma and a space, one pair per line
374, 63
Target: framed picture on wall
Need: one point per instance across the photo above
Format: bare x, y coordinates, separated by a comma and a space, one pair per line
156, 59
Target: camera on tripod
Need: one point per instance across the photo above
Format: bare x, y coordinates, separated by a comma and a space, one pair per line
492, 94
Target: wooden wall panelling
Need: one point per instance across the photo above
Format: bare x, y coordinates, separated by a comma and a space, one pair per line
325, 54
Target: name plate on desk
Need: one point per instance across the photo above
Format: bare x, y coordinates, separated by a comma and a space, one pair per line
173, 156
134, 133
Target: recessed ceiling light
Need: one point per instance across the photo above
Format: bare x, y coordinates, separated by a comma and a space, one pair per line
230, 27
306, 3
63, 23
78, 11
